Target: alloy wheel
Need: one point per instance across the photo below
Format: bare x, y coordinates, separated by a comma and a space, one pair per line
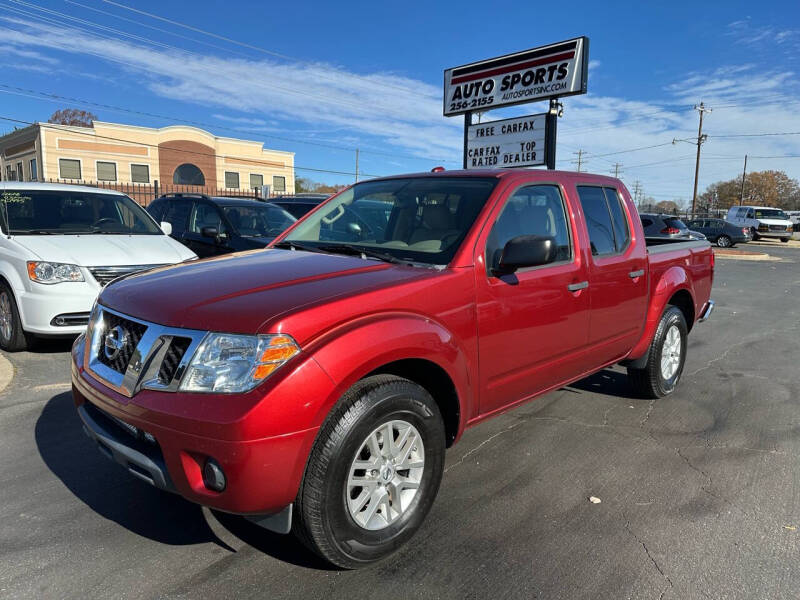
671, 352
6, 317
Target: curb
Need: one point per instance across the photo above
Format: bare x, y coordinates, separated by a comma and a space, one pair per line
753, 257
6, 372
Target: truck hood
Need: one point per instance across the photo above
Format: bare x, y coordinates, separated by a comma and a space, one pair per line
238, 293
105, 250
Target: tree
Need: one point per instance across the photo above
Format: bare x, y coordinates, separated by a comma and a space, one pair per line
667, 206
768, 188
73, 116
301, 184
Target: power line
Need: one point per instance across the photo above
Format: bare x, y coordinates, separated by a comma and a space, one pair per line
244, 44
181, 150
57, 97
630, 150
736, 135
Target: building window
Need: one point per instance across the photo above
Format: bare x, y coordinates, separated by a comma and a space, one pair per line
188, 174
106, 171
69, 168
9, 173
20, 172
34, 170
231, 180
256, 181
140, 173
279, 183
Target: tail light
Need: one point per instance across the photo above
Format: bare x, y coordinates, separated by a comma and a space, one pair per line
745, 230
670, 230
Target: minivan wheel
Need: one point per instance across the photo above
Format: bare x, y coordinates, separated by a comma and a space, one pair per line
373, 473
665, 357
12, 336
724, 241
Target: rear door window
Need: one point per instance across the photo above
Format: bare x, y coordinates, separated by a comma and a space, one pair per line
598, 220
622, 234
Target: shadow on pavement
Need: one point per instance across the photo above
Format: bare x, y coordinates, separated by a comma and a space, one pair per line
111, 492
52, 345
608, 383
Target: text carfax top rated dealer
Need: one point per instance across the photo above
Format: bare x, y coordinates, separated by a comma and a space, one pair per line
549, 71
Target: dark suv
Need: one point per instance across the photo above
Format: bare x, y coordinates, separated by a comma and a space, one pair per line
212, 225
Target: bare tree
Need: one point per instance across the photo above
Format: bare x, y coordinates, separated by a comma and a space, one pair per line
73, 116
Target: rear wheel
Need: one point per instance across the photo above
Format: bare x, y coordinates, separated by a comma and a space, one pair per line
665, 357
755, 234
724, 241
373, 473
12, 336
785, 240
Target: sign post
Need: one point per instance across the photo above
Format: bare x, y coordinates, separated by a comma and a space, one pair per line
544, 73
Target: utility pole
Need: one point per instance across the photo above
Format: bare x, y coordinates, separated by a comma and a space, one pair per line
579, 162
637, 192
744, 174
702, 108
617, 169
356, 165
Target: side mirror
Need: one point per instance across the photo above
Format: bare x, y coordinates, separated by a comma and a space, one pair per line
354, 228
209, 232
166, 227
527, 251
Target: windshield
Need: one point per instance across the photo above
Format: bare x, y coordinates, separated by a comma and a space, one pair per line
771, 213
258, 221
420, 219
34, 212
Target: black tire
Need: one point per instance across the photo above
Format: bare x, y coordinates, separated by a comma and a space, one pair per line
785, 240
650, 381
756, 237
724, 241
17, 339
323, 521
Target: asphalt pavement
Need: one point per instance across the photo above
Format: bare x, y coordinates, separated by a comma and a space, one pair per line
699, 492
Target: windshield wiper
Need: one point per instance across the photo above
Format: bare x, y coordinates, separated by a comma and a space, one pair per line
361, 251
296, 246
30, 232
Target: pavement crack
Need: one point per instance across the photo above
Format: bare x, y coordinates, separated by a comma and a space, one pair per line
481, 445
640, 541
650, 408
709, 480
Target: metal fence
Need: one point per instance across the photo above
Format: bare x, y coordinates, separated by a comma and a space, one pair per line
145, 193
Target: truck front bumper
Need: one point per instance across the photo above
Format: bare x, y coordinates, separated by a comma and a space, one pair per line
260, 476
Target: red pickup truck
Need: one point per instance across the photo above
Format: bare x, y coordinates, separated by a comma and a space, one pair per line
315, 385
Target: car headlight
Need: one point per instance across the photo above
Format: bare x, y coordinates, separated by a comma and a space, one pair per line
51, 272
228, 363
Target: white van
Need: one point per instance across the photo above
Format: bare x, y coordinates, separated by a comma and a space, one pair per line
60, 245
763, 221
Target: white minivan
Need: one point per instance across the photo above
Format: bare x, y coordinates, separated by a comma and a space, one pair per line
763, 221
60, 245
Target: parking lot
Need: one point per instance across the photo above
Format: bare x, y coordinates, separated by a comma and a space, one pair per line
698, 492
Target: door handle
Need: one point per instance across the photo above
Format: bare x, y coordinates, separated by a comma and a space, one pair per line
574, 287
635, 274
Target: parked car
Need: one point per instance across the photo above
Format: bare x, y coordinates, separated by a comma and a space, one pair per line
763, 221
320, 382
210, 226
60, 245
721, 232
666, 227
794, 217
300, 204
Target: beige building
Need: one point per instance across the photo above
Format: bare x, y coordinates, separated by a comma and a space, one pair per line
111, 153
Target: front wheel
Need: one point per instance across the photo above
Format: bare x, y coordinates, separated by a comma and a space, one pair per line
724, 241
785, 240
665, 357
12, 337
373, 473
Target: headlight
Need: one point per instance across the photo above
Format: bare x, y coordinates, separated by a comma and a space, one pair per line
228, 363
50, 272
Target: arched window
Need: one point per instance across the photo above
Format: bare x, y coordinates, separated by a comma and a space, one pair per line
188, 174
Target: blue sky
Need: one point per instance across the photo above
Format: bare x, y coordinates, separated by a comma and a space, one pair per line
323, 78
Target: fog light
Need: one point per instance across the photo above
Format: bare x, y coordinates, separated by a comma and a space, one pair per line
213, 477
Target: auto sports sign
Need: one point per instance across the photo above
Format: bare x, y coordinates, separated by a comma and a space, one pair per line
541, 73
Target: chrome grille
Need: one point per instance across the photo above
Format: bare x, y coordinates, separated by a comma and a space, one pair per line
105, 275
141, 355
777, 227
